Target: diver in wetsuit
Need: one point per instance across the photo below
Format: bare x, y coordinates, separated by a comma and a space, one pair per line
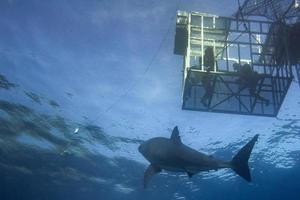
209, 61
249, 79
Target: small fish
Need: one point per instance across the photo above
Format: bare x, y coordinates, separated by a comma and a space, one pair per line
76, 130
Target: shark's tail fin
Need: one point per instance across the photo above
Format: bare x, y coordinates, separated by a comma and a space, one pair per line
240, 161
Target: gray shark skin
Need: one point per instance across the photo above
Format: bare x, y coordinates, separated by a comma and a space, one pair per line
172, 155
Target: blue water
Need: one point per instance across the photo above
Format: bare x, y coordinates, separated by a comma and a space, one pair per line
83, 84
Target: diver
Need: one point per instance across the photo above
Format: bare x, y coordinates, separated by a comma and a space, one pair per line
249, 79
209, 61
209, 58
188, 89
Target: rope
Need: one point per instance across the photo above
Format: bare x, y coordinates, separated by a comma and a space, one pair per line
156, 53
77, 129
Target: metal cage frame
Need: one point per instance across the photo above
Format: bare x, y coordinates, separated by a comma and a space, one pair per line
234, 41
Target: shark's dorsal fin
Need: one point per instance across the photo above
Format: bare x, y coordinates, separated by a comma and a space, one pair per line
175, 136
150, 171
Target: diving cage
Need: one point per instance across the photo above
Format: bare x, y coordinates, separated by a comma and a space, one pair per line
259, 43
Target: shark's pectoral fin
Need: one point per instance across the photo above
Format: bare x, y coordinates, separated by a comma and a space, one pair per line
150, 171
175, 136
190, 174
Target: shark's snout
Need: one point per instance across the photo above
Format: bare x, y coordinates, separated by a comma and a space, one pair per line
140, 148
143, 148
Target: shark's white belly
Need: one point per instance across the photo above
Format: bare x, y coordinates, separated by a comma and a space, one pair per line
176, 158
189, 169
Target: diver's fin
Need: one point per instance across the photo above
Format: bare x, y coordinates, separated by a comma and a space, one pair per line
240, 161
175, 136
150, 171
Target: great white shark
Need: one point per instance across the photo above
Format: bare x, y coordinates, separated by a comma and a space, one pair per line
172, 155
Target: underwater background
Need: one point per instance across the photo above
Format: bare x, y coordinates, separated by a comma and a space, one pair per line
83, 83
